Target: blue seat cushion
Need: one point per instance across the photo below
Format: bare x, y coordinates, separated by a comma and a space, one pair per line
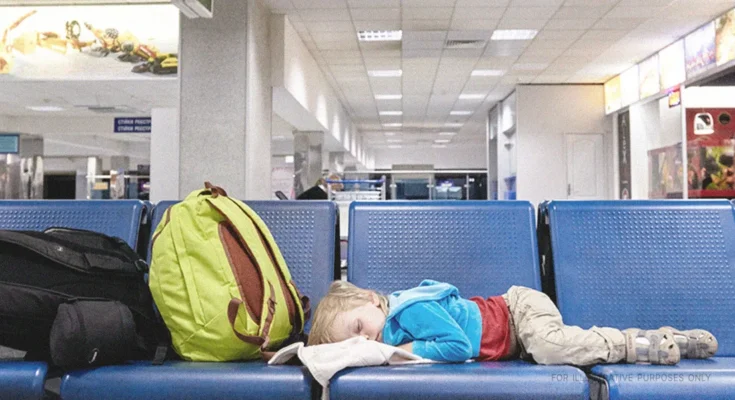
691, 379
20, 380
188, 380
478, 380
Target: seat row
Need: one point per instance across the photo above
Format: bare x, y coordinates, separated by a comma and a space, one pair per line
611, 263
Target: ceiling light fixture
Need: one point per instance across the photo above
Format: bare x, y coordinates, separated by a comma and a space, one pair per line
385, 73
447, 133
395, 146
454, 124
391, 113
45, 108
439, 146
471, 96
488, 72
393, 125
439, 141
388, 96
514, 34
460, 113
530, 66
394, 140
288, 159
389, 133
379, 36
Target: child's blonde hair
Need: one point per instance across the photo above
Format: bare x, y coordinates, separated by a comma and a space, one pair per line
342, 296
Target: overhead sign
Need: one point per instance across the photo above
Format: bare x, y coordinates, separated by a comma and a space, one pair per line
725, 37
612, 95
672, 69
88, 42
133, 125
700, 50
629, 86
648, 77
9, 143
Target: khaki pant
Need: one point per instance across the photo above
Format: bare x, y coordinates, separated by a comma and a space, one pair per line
544, 337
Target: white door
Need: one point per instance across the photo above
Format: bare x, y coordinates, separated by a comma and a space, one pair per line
585, 167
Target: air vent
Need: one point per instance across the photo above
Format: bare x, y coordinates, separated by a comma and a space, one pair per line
465, 44
111, 109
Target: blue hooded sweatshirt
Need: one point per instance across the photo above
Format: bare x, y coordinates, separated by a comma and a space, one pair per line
442, 325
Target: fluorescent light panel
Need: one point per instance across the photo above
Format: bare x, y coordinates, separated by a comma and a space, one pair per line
514, 34
488, 72
288, 159
385, 73
388, 96
391, 112
389, 133
45, 108
454, 124
471, 96
395, 146
394, 140
460, 113
439, 141
447, 133
393, 125
379, 36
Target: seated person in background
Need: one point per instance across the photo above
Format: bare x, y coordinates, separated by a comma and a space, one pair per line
434, 322
319, 191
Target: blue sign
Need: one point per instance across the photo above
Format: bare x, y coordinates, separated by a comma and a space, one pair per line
133, 125
9, 144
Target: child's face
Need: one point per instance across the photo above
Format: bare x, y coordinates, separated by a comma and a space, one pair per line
367, 320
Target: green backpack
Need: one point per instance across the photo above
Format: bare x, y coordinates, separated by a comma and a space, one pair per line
220, 282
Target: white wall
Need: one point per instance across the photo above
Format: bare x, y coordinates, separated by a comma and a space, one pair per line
465, 156
258, 107
544, 115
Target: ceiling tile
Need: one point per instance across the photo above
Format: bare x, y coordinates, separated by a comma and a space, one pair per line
374, 3
382, 64
423, 44
377, 25
581, 12
548, 34
329, 26
569, 24
536, 3
603, 35
496, 62
618, 23
427, 13
633, 12
522, 23
305, 4
539, 45
482, 3
421, 53
424, 35
526, 12
483, 24
426, 25
477, 13
337, 44
326, 14
376, 14
428, 3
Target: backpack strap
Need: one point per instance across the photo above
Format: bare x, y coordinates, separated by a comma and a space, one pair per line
264, 339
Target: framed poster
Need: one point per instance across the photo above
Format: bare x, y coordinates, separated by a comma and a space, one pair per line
700, 50
672, 69
612, 95
725, 37
629, 88
648, 76
711, 152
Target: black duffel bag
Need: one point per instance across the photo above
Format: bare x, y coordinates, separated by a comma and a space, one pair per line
89, 287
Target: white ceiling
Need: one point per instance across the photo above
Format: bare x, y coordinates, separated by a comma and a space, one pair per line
579, 41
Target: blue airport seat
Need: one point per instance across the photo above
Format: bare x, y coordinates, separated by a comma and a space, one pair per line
481, 247
115, 218
20, 380
188, 380
647, 264
120, 218
306, 235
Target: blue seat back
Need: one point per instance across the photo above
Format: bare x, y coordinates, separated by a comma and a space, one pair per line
120, 218
305, 232
482, 247
646, 264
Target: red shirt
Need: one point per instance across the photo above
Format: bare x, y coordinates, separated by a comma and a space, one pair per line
495, 341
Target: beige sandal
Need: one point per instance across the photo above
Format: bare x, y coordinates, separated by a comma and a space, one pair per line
694, 343
651, 346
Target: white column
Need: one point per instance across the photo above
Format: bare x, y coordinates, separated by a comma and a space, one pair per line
165, 162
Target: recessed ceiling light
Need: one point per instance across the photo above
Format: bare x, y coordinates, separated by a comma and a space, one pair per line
391, 113
442, 141
471, 96
514, 34
394, 146
460, 113
454, 124
393, 125
439, 146
388, 96
389, 133
394, 140
488, 72
385, 73
288, 159
447, 133
375, 36
45, 108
